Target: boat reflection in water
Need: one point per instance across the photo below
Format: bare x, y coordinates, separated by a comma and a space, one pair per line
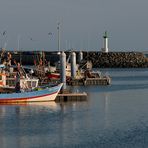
23, 108
24, 120
53, 106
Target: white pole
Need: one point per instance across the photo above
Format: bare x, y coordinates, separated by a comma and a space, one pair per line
73, 64
63, 69
80, 56
105, 42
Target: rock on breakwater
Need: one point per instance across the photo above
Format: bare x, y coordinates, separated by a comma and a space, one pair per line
117, 59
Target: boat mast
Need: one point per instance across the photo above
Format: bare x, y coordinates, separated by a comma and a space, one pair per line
58, 28
18, 46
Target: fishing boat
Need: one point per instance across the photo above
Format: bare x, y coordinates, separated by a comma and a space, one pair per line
42, 94
8, 80
56, 74
21, 88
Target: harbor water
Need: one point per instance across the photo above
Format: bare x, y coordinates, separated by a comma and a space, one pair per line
114, 116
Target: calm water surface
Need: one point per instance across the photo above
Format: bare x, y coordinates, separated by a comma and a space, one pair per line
114, 116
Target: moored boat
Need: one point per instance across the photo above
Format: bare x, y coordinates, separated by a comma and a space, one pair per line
36, 95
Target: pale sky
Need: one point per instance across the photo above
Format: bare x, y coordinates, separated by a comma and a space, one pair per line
83, 23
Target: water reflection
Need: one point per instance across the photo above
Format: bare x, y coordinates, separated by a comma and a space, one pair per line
31, 124
113, 116
7, 109
71, 122
22, 124
106, 110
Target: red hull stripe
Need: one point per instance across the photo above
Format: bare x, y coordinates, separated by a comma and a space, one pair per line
53, 76
25, 99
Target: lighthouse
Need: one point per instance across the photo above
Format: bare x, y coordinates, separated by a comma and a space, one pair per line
105, 48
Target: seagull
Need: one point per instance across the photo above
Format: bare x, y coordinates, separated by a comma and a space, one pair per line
49, 33
4, 33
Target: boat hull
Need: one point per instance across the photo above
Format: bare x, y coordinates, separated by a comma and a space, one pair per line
47, 94
56, 76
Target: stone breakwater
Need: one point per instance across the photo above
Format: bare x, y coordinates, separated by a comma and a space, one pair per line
117, 59
99, 59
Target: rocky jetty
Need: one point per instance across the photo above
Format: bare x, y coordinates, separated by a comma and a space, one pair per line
117, 59
98, 59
